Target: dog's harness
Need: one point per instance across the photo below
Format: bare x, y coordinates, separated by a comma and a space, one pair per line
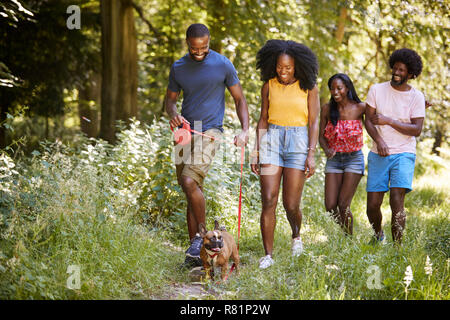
212, 257
183, 136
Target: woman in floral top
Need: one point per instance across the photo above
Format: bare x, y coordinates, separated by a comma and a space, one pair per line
341, 138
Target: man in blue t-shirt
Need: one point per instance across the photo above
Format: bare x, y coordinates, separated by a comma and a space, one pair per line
202, 74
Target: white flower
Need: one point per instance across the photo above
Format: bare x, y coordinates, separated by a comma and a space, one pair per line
113, 218
408, 276
12, 263
332, 267
428, 267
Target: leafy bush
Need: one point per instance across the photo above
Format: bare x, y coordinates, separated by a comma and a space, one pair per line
83, 205
117, 213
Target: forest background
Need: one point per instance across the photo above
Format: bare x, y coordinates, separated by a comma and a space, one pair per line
86, 149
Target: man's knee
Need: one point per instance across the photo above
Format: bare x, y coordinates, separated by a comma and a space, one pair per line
374, 201
188, 184
373, 205
397, 198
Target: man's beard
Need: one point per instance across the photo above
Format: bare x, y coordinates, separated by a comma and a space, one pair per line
398, 83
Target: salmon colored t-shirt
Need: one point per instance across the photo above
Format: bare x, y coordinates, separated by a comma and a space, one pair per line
398, 105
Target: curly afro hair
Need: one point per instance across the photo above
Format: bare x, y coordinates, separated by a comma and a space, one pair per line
410, 58
306, 64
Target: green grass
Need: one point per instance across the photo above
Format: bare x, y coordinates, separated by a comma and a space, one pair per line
117, 214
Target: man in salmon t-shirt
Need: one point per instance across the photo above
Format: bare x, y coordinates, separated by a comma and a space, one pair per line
394, 118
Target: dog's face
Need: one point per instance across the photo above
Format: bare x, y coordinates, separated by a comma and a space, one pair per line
212, 240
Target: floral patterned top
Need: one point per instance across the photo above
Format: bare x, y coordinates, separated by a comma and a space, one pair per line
346, 136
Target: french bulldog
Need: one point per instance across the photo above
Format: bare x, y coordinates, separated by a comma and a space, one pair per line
218, 246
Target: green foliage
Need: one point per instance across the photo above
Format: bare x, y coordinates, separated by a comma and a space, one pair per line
114, 210
144, 172
117, 213
371, 31
47, 56
83, 205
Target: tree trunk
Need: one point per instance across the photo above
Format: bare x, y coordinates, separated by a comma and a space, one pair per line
340, 31
127, 103
110, 53
119, 66
88, 105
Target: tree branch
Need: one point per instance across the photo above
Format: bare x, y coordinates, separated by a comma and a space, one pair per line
155, 31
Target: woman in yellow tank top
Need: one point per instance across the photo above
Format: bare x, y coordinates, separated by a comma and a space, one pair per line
287, 134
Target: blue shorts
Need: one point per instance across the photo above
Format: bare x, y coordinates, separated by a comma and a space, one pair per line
346, 162
285, 147
393, 171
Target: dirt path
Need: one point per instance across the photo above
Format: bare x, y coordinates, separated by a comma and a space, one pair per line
194, 289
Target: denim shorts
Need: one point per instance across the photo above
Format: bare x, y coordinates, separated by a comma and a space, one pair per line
393, 171
346, 162
284, 146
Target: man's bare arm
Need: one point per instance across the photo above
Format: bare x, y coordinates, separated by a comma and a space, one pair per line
241, 111
170, 102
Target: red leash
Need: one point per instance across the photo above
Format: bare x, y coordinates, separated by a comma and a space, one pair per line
183, 136
239, 209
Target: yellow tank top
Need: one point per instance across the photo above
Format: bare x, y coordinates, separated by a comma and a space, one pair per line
288, 104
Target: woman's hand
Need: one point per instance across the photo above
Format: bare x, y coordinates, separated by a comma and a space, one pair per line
310, 165
254, 162
330, 153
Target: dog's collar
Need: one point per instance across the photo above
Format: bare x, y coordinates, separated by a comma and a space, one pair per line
212, 254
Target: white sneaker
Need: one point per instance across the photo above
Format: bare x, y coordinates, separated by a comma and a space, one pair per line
297, 247
265, 262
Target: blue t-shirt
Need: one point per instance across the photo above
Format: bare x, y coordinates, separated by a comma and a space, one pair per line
203, 84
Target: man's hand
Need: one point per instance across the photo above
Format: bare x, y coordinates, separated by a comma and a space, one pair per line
383, 149
241, 139
177, 121
242, 112
379, 119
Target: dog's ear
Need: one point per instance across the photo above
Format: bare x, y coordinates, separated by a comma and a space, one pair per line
216, 225
202, 229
